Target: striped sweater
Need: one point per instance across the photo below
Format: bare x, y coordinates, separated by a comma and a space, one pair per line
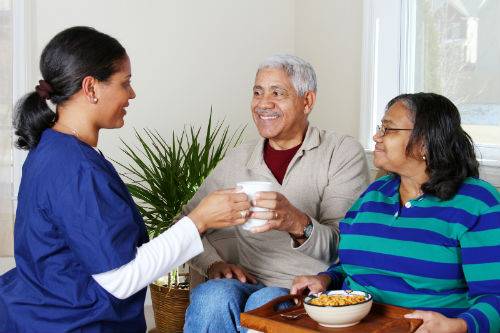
428, 254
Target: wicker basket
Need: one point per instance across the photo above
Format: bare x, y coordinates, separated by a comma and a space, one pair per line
169, 307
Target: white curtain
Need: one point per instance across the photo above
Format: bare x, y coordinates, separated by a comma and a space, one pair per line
6, 135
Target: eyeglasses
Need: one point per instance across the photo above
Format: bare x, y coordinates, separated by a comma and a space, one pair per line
381, 129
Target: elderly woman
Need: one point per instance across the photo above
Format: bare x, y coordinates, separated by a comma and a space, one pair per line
426, 236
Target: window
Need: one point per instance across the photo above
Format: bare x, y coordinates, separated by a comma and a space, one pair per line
6, 158
13, 78
457, 54
449, 47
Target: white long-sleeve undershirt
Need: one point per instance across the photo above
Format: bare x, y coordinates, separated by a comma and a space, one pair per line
172, 248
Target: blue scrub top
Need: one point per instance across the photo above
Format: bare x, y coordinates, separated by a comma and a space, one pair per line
75, 218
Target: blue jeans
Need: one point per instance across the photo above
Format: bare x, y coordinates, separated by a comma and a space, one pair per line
215, 305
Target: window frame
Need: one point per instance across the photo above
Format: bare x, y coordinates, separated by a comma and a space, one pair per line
22, 61
21, 53
389, 32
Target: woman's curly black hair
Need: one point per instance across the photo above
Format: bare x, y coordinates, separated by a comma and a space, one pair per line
450, 155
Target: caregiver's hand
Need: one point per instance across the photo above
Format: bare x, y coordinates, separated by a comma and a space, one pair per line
437, 323
221, 209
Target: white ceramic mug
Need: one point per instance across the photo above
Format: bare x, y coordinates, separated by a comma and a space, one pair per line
250, 188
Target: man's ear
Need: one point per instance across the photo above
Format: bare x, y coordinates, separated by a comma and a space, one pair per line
309, 100
88, 88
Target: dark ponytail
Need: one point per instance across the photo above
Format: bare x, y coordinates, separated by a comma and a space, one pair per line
68, 58
32, 117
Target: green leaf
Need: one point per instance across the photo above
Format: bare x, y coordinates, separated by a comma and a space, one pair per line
162, 176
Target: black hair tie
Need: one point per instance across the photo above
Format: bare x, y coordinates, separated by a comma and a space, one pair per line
44, 89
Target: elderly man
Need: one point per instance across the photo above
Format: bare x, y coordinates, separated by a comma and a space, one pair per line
318, 175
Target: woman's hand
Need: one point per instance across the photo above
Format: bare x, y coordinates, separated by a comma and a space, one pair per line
223, 270
282, 215
315, 284
220, 209
437, 323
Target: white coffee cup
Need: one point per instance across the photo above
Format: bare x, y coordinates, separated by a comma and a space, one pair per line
250, 188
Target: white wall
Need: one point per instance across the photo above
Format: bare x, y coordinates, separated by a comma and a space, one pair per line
6, 263
186, 55
190, 55
329, 35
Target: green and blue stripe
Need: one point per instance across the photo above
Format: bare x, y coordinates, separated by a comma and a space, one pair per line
435, 255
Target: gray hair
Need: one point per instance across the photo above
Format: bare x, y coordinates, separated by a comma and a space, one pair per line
300, 72
407, 101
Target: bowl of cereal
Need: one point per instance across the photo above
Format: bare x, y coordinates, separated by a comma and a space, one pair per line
338, 308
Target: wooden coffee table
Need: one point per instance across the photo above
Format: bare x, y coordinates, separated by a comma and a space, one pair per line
381, 319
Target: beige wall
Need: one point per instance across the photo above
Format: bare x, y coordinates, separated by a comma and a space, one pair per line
329, 35
190, 55
186, 55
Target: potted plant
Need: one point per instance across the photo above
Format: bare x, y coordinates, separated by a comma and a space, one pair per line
162, 176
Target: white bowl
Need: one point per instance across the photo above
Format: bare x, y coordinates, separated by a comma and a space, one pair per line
342, 315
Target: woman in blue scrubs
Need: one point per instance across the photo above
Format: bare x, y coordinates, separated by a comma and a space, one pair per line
82, 254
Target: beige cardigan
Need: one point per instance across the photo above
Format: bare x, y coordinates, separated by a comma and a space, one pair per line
323, 180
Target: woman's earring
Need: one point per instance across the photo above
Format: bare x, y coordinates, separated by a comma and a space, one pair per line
423, 157
94, 100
